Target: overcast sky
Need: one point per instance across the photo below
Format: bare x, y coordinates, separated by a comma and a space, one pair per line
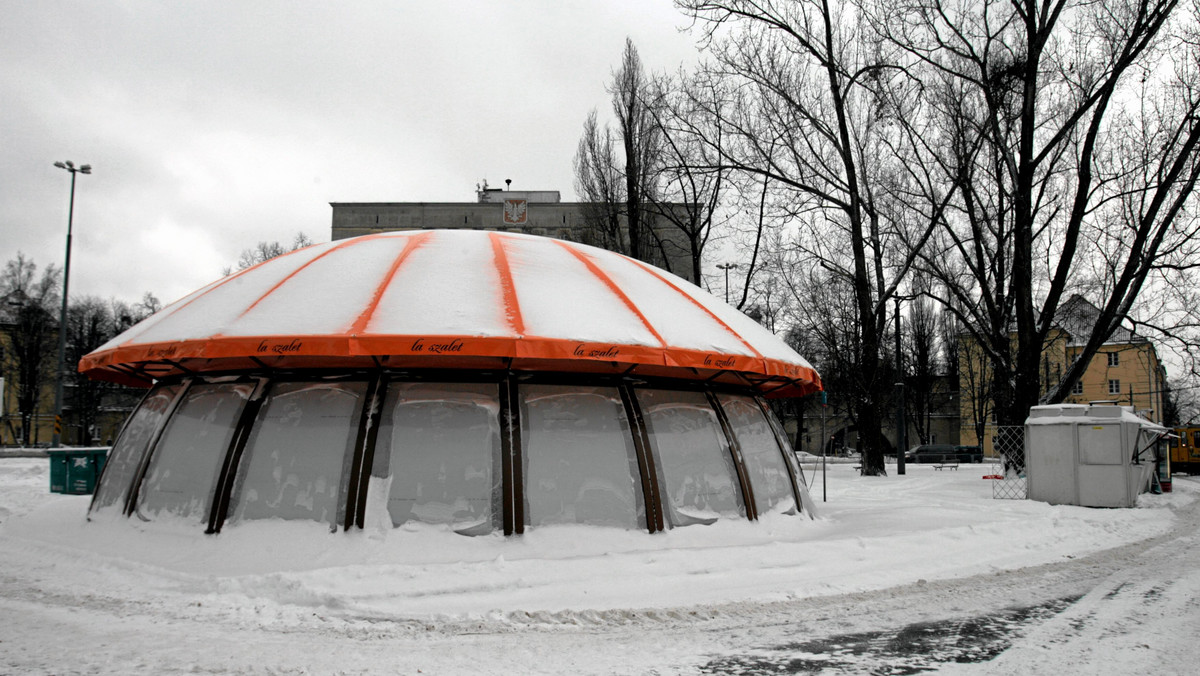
213, 125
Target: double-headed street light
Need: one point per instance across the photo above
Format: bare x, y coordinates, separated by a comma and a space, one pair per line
726, 267
62, 318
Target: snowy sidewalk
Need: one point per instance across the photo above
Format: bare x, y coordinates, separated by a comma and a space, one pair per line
913, 547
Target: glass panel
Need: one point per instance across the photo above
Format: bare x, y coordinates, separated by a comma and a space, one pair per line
789, 454
126, 454
579, 459
696, 471
760, 454
183, 470
437, 455
293, 462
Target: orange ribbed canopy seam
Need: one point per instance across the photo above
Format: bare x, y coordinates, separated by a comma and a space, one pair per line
508, 290
200, 294
648, 268
295, 272
410, 246
612, 287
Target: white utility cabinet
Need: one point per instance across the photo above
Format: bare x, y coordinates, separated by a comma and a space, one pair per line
1093, 455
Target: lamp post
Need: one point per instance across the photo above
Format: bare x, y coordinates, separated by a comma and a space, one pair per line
726, 267
900, 426
824, 444
56, 438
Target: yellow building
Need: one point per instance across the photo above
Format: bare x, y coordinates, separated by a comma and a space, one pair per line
1125, 370
111, 405
41, 421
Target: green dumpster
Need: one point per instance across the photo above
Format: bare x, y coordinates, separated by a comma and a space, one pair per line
74, 471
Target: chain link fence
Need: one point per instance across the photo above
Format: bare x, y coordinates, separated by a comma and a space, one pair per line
1008, 453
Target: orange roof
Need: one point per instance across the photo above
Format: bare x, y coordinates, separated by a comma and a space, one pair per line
458, 299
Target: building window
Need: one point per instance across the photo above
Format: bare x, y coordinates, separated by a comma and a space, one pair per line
1114, 359
1077, 388
1114, 386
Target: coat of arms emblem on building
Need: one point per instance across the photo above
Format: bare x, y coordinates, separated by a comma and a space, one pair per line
515, 211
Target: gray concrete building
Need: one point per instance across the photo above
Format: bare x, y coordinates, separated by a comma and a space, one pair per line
534, 212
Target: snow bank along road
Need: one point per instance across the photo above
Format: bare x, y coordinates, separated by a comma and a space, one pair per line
899, 575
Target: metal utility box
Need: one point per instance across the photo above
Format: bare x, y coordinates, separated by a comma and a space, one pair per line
74, 471
1098, 455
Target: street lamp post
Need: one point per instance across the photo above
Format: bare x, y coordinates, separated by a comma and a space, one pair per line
56, 438
824, 445
726, 267
900, 425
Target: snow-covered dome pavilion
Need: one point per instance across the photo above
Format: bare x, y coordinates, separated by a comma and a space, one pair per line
480, 381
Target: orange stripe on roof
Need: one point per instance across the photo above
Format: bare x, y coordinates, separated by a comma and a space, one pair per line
295, 272
414, 242
512, 308
654, 271
197, 295
616, 290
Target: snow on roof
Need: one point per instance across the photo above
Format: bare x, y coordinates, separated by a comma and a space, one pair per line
1078, 315
455, 299
1088, 414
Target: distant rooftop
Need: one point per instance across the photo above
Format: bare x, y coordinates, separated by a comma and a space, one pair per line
484, 194
1077, 316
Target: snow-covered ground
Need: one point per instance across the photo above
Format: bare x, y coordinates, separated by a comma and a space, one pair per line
923, 572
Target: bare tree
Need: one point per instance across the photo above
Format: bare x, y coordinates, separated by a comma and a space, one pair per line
1073, 126
922, 370
640, 139
975, 377
149, 304
815, 117
819, 306
690, 184
1182, 404
31, 331
90, 324
263, 251
599, 184
755, 225
125, 314
622, 185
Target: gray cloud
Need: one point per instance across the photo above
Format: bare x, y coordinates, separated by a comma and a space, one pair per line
213, 125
